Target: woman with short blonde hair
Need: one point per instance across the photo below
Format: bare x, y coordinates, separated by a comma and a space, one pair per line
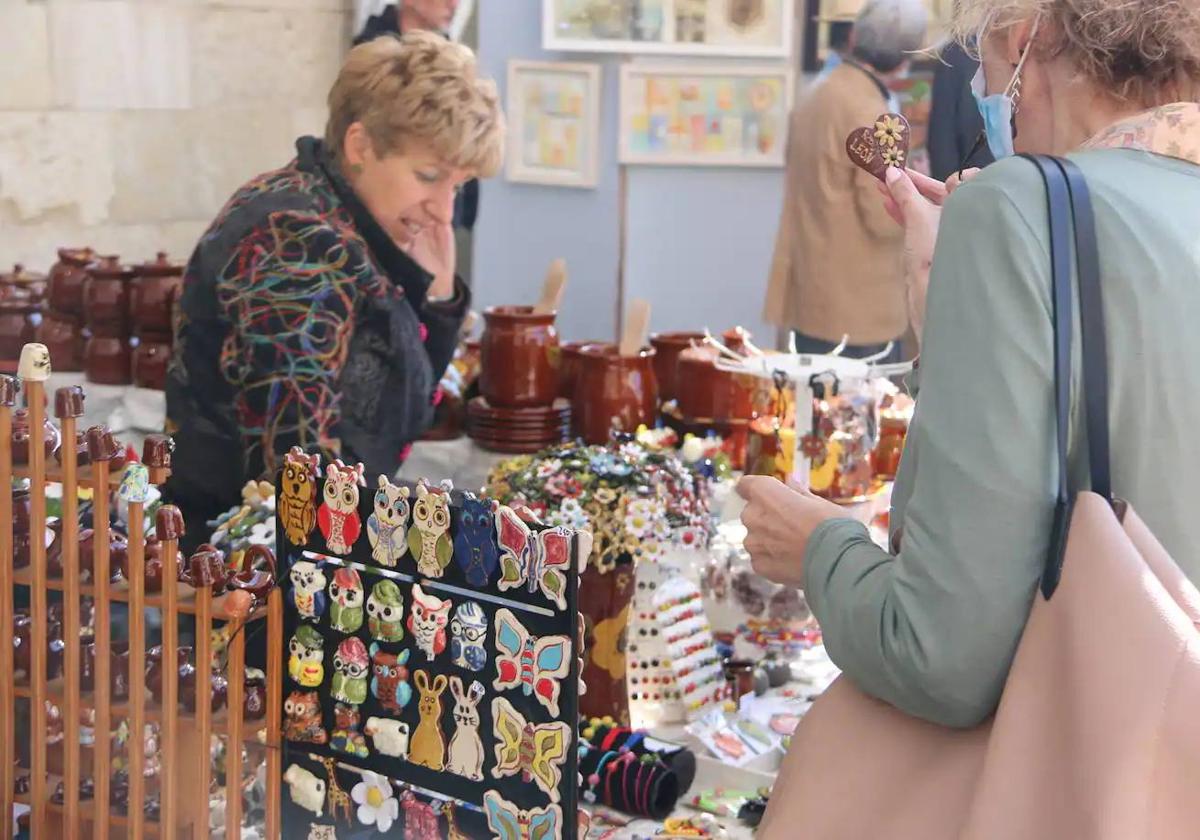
321, 307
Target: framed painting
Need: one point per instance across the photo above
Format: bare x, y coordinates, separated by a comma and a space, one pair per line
704, 114
554, 118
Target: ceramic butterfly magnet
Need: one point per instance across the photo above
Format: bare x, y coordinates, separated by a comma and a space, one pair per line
338, 514
538, 560
308, 589
306, 661
350, 666
346, 737
508, 822
881, 146
346, 596
387, 526
536, 665
475, 548
429, 538
298, 495
468, 631
385, 612
389, 683
304, 724
427, 620
537, 752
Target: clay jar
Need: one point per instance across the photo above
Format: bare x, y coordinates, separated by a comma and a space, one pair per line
18, 326
520, 358
568, 370
258, 582
63, 336
152, 581
187, 680
254, 698
21, 432
66, 279
106, 297
118, 669
705, 393
613, 392
108, 360
21, 525
149, 362
152, 293
82, 456
206, 567
117, 548
23, 285
667, 347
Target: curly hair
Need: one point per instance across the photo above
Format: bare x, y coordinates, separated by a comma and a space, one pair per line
1142, 51
424, 88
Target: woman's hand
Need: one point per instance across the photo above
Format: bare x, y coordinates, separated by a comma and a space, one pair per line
433, 249
779, 522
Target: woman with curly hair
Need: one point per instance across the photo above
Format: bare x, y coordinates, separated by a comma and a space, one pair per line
932, 626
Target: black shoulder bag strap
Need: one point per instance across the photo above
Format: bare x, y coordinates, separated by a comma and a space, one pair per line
1068, 199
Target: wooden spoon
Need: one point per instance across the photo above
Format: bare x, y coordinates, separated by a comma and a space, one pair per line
552, 288
637, 326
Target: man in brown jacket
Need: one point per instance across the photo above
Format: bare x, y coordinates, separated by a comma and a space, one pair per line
838, 270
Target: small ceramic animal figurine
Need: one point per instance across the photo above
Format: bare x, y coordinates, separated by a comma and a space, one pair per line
306, 665
308, 589
346, 737
427, 621
346, 601
35, 363
307, 790
428, 747
298, 495
468, 632
304, 724
385, 612
350, 667
339, 800
135, 484
338, 514
475, 549
316, 831
429, 539
389, 736
387, 527
389, 685
465, 756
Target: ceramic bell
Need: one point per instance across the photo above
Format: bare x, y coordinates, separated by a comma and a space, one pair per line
68, 402
156, 451
35, 363
168, 523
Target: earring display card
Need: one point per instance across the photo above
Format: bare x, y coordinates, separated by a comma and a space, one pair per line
654, 693
433, 659
683, 626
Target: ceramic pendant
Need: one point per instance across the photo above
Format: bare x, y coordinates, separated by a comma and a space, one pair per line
536, 752
385, 612
304, 724
465, 755
308, 589
475, 548
536, 560
377, 803
429, 539
350, 667
389, 683
306, 789
508, 822
428, 747
420, 820
468, 631
537, 666
427, 620
298, 495
881, 146
390, 737
387, 527
316, 831
135, 484
338, 514
306, 662
346, 738
346, 601
338, 799
35, 363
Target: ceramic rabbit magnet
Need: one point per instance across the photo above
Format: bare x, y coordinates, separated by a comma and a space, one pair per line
429, 539
308, 589
389, 683
428, 746
306, 661
338, 514
465, 756
427, 620
475, 549
389, 736
298, 495
387, 526
350, 666
346, 596
303, 712
385, 612
468, 632
346, 738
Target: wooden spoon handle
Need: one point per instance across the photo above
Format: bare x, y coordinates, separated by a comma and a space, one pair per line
637, 326
552, 288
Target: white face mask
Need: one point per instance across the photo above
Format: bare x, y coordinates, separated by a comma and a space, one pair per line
999, 109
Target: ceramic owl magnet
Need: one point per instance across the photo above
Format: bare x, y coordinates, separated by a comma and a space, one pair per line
346, 601
338, 514
303, 723
427, 620
350, 666
475, 549
135, 484
346, 737
385, 612
306, 660
389, 680
429, 539
298, 495
308, 589
468, 631
387, 526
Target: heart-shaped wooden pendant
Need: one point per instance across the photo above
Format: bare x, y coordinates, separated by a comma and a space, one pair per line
882, 145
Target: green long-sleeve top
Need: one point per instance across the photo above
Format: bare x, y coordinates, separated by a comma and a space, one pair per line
933, 629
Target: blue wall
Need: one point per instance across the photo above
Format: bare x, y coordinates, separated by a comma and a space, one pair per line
699, 239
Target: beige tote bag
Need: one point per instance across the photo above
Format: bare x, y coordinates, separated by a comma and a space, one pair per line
1097, 734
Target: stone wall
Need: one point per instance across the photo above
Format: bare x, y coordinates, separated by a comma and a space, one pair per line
126, 124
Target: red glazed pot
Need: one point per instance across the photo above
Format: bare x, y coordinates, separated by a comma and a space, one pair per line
153, 290
520, 358
106, 298
613, 392
108, 360
150, 359
21, 433
66, 281
667, 347
18, 326
568, 371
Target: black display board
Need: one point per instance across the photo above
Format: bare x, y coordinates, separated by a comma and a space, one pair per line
410, 613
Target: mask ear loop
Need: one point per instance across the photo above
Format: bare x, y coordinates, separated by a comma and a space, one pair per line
1013, 91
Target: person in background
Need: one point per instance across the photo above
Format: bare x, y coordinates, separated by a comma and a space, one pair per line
837, 269
839, 46
955, 125
321, 307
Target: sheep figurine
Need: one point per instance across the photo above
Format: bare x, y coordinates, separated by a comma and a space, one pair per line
390, 736
307, 790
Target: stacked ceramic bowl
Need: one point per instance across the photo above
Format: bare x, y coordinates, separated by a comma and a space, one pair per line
518, 430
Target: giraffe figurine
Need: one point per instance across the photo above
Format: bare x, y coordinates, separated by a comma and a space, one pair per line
453, 831
338, 799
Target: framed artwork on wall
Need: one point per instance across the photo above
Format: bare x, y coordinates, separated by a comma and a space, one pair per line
751, 28
816, 16
704, 114
554, 118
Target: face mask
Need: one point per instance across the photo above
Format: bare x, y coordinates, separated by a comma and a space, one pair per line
999, 110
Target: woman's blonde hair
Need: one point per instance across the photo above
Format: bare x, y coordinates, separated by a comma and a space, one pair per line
424, 88
1142, 51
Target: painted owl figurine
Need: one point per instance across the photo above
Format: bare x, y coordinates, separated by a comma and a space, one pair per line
387, 527
304, 724
338, 514
306, 660
346, 601
385, 612
389, 683
468, 632
350, 666
298, 495
475, 548
429, 538
308, 589
427, 620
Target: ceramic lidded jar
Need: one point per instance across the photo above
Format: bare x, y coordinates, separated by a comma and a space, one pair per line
568, 370
613, 392
19, 320
24, 284
108, 360
65, 282
106, 297
63, 336
520, 357
667, 347
149, 362
154, 288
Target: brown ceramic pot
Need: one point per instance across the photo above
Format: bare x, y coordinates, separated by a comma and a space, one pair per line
667, 347
257, 581
118, 669
708, 394
22, 284
63, 336
520, 357
82, 457
18, 326
613, 392
149, 365
68, 401
568, 370
206, 567
108, 360
254, 698
21, 524
106, 297
154, 289
157, 450
187, 679
21, 433
66, 281
152, 581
